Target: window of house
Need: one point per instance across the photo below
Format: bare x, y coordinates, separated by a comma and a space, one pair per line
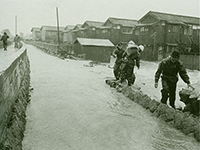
194, 27
146, 29
185, 32
190, 31
175, 29
136, 32
162, 23
104, 31
142, 29
116, 27
127, 31
82, 32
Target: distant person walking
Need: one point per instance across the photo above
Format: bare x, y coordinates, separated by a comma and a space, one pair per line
4, 39
16, 40
169, 68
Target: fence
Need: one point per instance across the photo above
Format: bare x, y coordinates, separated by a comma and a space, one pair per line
191, 61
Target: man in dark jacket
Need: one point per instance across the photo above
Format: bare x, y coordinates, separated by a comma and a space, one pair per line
118, 53
169, 68
4, 39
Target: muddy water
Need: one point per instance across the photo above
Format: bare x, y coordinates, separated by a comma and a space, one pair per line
73, 109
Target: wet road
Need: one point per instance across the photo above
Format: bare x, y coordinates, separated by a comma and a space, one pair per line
72, 108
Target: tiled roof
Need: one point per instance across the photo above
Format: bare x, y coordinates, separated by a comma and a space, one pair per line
93, 23
95, 42
123, 22
173, 18
69, 27
77, 26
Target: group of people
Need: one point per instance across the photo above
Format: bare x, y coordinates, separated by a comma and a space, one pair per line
5, 37
168, 70
126, 59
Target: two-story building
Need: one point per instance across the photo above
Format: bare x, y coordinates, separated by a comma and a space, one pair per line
90, 28
120, 29
161, 33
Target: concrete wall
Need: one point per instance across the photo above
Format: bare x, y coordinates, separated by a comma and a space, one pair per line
14, 96
49, 48
185, 122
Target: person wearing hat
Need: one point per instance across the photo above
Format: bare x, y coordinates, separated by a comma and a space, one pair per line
117, 53
170, 67
4, 39
132, 58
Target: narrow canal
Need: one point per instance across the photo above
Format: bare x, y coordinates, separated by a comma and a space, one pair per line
72, 108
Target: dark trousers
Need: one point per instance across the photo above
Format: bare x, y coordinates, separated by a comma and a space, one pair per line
16, 45
129, 74
5, 45
168, 91
117, 71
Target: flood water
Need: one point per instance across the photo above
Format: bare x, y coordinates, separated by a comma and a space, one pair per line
72, 108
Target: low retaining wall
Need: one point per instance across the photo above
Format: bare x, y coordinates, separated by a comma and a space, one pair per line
14, 96
49, 48
185, 122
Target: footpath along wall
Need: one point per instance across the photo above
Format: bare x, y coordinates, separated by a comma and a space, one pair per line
183, 121
14, 96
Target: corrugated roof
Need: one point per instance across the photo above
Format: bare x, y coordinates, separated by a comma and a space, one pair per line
93, 23
94, 42
123, 22
173, 18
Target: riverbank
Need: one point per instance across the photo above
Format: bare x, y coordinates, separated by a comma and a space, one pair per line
183, 121
14, 96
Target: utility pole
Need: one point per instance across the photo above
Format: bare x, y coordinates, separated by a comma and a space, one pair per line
15, 24
58, 26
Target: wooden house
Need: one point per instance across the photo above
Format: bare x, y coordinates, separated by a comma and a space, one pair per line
94, 49
67, 33
90, 28
161, 33
50, 33
119, 29
87, 30
78, 26
36, 34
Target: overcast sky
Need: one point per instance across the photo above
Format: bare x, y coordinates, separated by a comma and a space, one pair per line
35, 13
